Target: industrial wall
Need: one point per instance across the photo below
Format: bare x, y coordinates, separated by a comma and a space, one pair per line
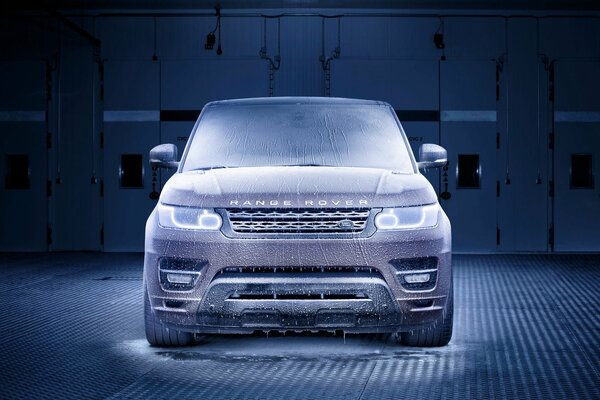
514, 100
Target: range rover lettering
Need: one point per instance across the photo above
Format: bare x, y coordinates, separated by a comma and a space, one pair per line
294, 214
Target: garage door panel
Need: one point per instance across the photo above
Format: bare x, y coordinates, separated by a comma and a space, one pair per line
127, 183
131, 85
468, 85
190, 84
131, 129
23, 204
405, 84
577, 199
23, 156
576, 161
23, 85
472, 205
468, 132
577, 86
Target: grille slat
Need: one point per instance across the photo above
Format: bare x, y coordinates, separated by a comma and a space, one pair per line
298, 220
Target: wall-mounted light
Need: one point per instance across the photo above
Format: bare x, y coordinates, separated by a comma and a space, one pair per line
438, 40
211, 39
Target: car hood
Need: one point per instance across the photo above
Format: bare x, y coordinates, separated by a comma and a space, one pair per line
294, 187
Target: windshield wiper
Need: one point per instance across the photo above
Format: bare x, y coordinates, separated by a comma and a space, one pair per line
209, 168
282, 165
307, 165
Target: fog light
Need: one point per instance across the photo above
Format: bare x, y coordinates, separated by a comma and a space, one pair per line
184, 279
416, 278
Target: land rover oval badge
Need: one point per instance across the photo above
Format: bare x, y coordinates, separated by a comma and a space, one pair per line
345, 224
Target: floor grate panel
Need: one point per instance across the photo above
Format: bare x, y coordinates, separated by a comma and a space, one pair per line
527, 327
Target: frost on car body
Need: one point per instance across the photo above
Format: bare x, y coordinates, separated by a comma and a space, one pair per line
298, 214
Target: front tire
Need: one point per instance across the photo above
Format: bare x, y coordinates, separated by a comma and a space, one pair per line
439, 334
159, 335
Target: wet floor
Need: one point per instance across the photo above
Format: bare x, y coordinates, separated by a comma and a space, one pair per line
526, 327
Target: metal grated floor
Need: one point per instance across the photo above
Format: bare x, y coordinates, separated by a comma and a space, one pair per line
527, 326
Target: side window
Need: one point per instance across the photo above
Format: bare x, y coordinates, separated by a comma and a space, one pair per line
581, 173
131, 171
17, 171
468, 171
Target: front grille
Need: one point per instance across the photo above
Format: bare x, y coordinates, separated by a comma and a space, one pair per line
298, 220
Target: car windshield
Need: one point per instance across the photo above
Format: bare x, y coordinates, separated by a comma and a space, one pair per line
339, 135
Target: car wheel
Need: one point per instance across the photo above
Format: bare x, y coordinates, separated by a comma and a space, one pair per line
438, 334
159, 335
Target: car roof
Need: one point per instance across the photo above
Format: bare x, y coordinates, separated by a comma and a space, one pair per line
294, 100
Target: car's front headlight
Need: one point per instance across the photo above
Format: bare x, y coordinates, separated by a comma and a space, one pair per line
401, 218
188, 218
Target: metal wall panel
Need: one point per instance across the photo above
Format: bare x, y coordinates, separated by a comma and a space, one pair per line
28, 38
127, 208
576, 207
129, 86
405, 84
190, 84
184, 37
126, 37
522, 161
474, 38
365, 37
412, 38
468, 89
76, 170
301, 73
23, 211
569, 38
408, 38
523, 112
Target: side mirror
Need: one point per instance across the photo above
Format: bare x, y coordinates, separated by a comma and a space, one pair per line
432, 156
164, 156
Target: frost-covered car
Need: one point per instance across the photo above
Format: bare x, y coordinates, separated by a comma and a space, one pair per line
298, 214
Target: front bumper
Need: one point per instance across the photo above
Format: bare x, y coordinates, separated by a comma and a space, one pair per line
383, 305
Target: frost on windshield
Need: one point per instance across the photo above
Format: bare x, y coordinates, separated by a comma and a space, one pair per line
344, 135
